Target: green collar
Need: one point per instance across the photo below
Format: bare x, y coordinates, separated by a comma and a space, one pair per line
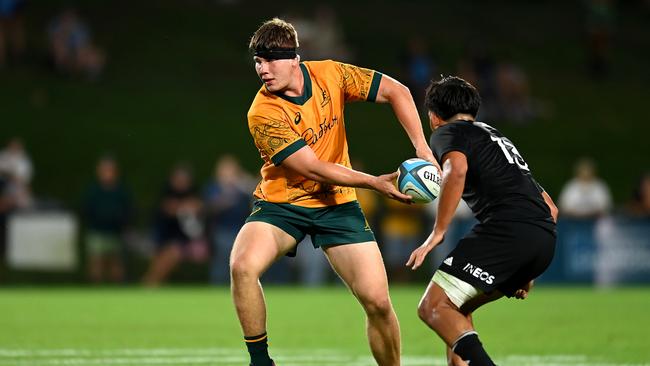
306, 91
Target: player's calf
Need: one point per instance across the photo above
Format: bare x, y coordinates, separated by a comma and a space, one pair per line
440, 310
470, 349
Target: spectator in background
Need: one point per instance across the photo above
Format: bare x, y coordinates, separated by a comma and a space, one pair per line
402, 231
515, 102
12, 31
460, 226
640, 204
307, 29
7, 204
15, 178
72, 49
504, 86
178, 226
599, 28
419, 67
368, 199
321, 35
17, 166
585, 196
228, 203
478, 67
329, 37
107, 210
583, 200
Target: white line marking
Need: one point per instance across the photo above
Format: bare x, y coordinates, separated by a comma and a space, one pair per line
237, 357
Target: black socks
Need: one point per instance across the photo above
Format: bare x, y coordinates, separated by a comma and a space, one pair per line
258, 349
470, 349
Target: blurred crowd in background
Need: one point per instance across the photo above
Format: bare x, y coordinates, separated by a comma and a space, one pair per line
194, 223
197, 222
71, 49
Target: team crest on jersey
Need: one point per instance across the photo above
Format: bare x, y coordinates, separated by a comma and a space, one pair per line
326, 98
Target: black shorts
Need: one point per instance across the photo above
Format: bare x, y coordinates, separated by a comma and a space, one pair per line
502, 255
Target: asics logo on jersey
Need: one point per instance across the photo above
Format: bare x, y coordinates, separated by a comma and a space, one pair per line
298, 118
479, 273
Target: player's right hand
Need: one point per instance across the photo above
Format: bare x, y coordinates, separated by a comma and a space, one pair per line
385, 184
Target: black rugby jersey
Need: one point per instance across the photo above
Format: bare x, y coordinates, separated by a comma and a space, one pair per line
498, 184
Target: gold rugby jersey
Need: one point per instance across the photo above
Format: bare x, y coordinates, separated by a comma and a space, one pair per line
280, 125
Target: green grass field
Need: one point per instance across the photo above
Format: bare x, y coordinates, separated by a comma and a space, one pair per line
197, 326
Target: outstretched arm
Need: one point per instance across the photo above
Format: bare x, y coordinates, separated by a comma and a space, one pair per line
307, 164
454, 165
400, 98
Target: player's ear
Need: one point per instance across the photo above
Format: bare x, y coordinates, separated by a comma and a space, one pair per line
297, 59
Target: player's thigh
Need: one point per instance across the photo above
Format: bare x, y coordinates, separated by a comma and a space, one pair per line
434, 296
483, 298
448, 290
361, 267
257, 245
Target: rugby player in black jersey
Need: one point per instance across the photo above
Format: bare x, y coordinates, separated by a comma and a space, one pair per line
513, 242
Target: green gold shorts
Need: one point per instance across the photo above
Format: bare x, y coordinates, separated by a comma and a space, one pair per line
327, 226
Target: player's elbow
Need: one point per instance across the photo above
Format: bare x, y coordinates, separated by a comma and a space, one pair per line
313, 175
402, 90
457, 171
454, 166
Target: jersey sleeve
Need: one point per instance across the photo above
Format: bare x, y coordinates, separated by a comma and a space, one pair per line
274, 137
537, 185
447, 139
358, 84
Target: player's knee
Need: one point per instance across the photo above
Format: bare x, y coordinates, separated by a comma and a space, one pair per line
425, 312
242, 269
429, 312
377, 306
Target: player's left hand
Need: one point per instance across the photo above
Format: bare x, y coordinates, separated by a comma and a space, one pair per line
417, 257
522, 293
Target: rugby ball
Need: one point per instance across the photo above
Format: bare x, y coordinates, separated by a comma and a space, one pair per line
419, 179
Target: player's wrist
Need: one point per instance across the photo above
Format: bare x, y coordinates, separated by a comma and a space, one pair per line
422, 148
439, 232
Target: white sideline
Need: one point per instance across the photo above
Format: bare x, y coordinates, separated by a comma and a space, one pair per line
237, 357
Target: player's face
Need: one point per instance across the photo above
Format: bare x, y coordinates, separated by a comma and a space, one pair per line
275, 74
